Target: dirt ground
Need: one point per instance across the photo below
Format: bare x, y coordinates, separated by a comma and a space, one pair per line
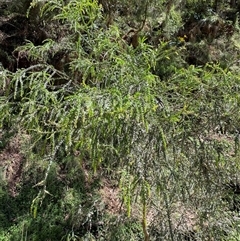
11, 163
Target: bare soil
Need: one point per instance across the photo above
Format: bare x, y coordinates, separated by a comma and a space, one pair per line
11, 163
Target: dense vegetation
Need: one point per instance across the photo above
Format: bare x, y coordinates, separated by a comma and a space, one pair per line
119, 120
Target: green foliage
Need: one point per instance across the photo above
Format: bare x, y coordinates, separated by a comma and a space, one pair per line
126, 230
101, 112
173, 22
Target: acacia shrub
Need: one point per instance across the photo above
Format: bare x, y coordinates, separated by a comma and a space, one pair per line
165, 140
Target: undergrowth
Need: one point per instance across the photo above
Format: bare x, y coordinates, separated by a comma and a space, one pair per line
94, 107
